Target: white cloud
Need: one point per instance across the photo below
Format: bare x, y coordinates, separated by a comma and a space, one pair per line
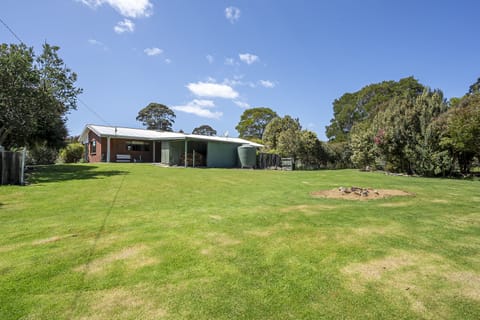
204, 103
212, 90
232, 82
267, 83
127, 8
124, 26
210, 58
200, 108
230, 61
153, 51
248, 58
94, 42
237, 81
242, 104
168, 61
232, 14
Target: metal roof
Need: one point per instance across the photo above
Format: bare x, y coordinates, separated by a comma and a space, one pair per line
143, 134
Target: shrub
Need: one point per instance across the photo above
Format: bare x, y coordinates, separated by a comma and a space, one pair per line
41, 154
72, 153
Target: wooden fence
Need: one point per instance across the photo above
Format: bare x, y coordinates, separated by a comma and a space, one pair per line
268, 161
12, 167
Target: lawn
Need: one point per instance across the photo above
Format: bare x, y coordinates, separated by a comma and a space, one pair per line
135, 241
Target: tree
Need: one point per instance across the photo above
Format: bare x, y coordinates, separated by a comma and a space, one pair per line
310, 149
254, 121
475, 88
286, 125
404, 136
461, 135
288, 142
362, 143
157, 116
205, 130
36, 93
352, 108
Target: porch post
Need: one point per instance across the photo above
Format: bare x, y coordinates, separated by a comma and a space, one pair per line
186, 145
108, 149
153, 150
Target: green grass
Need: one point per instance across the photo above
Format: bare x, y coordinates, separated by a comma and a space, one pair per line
124, 241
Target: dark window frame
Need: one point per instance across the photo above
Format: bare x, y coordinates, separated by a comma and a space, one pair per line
93, 146
139, 146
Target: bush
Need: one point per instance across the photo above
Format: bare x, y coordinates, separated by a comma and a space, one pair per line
41, 154
72, 153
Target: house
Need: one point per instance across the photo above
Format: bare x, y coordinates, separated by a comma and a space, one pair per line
119, 144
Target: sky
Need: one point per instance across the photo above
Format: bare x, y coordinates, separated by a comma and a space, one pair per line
210, 60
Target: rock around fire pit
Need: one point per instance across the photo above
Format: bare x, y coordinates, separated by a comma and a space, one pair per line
359, 193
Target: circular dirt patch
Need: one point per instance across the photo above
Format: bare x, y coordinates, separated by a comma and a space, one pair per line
362, 195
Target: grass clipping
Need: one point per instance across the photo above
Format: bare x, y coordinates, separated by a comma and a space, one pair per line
359, 193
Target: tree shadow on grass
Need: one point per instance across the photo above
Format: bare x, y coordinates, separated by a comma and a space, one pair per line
61, 172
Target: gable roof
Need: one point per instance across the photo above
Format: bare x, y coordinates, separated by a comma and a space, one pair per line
143, 134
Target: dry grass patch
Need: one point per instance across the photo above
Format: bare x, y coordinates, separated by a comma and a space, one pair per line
38, 242
11, 247
52, 239
393, 204
307, 208
468, 283
223, 240
216, 240
376, 269
411, 277
439, 201
262, 233
465, 221
120, 303
359, 235
133, 257
206, 251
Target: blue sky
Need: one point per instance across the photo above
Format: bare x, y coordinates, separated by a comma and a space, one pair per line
211, 59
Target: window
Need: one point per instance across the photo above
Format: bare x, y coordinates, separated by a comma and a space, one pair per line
138, 146
93, 146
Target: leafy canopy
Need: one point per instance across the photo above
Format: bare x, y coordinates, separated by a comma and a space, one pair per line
157, 116
36, 93
461, 130
205, 130
280, 135
352, 108
254, 121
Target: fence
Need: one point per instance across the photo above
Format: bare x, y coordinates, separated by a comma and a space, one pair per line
287, 164
268, 161
12, 167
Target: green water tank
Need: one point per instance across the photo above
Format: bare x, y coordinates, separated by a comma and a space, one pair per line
247, 154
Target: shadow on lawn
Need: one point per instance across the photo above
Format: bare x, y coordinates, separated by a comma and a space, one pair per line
60, 172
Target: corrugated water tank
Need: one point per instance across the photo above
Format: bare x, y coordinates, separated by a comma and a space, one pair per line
247, 155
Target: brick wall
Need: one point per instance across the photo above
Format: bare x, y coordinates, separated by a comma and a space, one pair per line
97, 155
117, 146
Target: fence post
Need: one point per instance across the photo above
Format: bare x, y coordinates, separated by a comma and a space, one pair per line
4, 169
22, 167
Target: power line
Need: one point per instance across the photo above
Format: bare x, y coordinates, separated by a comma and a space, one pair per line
93, 111
81, 101
11, 31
